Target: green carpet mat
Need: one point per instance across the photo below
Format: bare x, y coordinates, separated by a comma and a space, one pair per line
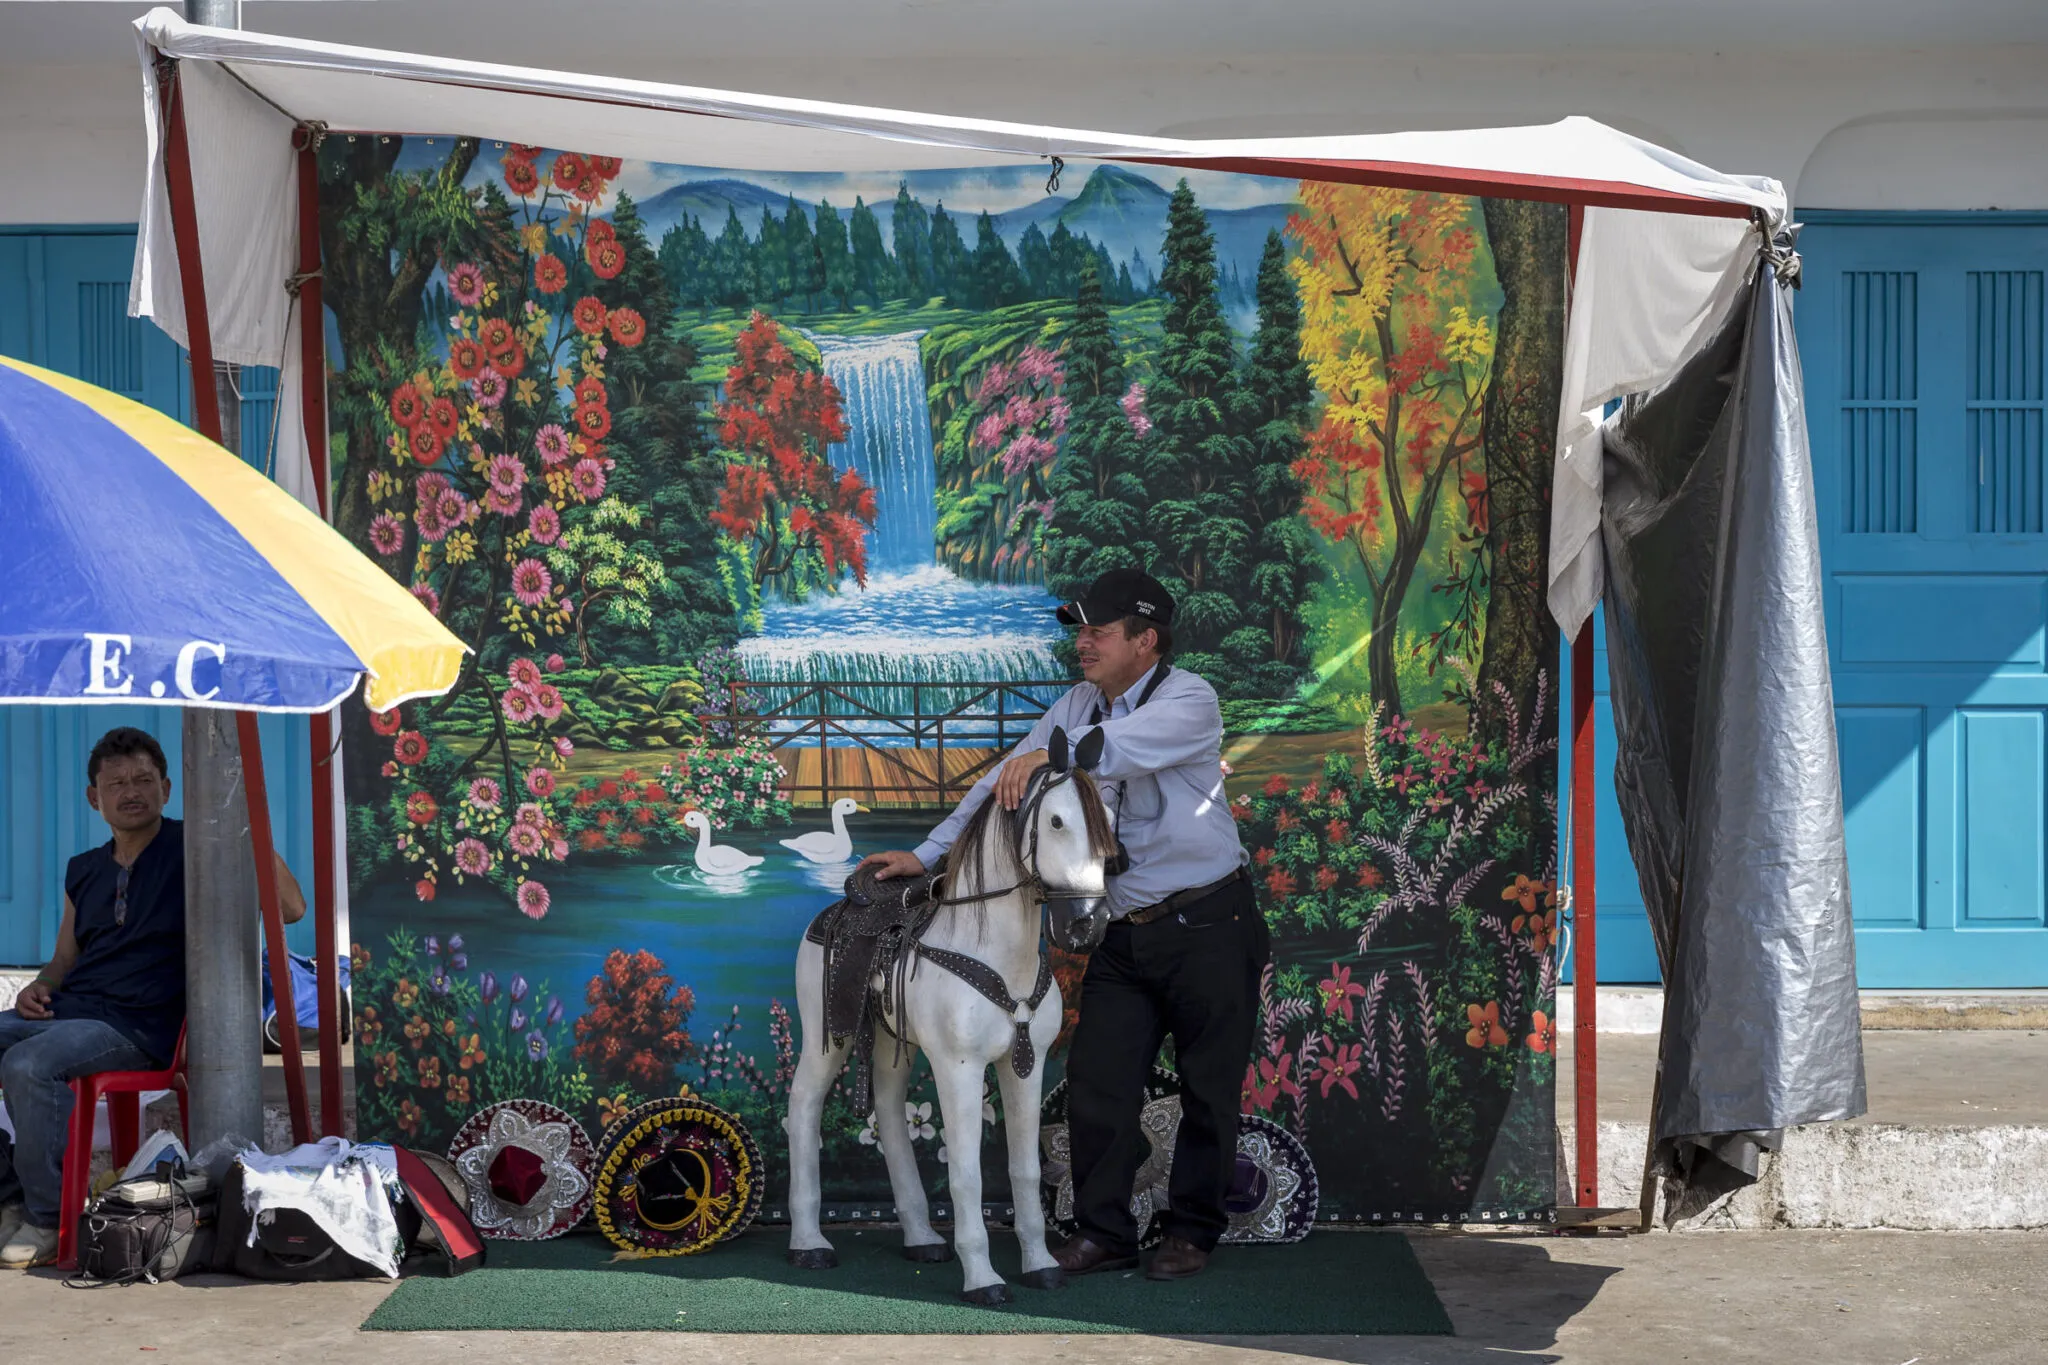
1339, 1283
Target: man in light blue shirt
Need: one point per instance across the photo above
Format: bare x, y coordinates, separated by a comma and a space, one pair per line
1186, 944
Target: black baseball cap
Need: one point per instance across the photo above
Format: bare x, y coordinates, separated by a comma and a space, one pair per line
1117, 594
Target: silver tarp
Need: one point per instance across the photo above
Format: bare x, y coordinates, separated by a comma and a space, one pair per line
1725, 764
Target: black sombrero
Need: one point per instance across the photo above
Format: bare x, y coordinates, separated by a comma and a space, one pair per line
676, 1177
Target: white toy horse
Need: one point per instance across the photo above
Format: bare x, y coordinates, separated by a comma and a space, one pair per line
975, 992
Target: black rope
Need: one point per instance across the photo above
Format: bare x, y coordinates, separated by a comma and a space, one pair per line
1052, 184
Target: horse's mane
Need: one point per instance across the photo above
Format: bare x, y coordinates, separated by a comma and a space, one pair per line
985, 824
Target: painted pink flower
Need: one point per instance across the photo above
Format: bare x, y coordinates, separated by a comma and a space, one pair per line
988, 432
484, 793
544, 523
531, 582
1133, 404
502, 503
552, 441
1026, 451
429, 487
555, 664
472, 857
427, 516
506, 473
533, 899
540, 781
454, 509
490, 388
526, 840
523, 672
587, 478
429, 599
564, 745
466, 283
387, 534
517, 704
548, 701
529, 813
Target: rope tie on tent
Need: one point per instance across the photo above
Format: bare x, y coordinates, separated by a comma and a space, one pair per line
1778, 250
1052, 183
308, 136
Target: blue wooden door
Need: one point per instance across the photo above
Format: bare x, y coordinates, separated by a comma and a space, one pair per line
1923, 343
64, 305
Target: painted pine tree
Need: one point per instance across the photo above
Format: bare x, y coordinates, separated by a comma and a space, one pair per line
910, 229
1098, 521
874, 274
1194, 458
1277, 407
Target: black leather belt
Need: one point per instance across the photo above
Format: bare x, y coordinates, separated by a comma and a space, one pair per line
1181, 900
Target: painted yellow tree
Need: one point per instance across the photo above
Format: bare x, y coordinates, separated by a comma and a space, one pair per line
1401, 355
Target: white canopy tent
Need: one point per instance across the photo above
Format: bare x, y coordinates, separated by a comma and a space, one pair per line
1664, 248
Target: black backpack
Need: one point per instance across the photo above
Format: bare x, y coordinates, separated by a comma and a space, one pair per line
289, 1245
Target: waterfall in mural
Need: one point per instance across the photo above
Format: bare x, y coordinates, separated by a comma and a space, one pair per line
916, 621
888, 441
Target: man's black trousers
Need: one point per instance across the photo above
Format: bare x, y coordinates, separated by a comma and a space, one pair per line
1194, 976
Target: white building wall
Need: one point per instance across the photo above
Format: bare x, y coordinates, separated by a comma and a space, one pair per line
1939, 127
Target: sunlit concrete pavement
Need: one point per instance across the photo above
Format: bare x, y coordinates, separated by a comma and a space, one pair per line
1856, 1298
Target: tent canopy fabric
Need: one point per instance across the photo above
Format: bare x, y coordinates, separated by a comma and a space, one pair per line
1667, 244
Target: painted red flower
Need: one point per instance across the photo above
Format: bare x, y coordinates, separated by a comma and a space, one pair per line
1543, 1035
387, 722
523, 151
1339, 991
549, 274
520, 177
1370, 876
1485, 1021
444, 418
601, 229
425, 443
568, 171
605, 168
421, 808
1280, 883
466, 358
1338, 1067
628, 327
593, 420
1276, 785
509, 361
424, 889
1263, 857
607, 258
407, 406
495, 334
589, 315
410, 748
589, 389
1326, 877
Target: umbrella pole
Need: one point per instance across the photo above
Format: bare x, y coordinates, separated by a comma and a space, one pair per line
313, 406
273, 925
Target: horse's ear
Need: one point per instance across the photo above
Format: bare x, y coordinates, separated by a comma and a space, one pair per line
1088, 752
1056, 749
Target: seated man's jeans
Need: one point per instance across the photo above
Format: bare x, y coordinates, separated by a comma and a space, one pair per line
38, 1058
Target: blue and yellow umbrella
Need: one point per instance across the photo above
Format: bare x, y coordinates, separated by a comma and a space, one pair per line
141, 562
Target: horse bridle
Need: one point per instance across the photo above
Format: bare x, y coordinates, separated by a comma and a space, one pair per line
1075, 922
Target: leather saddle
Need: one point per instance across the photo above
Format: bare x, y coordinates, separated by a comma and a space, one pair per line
870, 941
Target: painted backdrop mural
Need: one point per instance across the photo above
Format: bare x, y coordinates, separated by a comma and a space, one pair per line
752, 493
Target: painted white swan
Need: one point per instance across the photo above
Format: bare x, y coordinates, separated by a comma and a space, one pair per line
820, 846
718, 860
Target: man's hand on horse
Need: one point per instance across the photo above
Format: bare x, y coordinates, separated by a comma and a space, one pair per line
896, 862
1015, 778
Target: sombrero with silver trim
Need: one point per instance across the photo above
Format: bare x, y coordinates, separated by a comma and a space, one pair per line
676, 1177
1159, 1119
1273, 1187
527, 1166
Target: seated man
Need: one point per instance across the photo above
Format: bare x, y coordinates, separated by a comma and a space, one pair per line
113, 996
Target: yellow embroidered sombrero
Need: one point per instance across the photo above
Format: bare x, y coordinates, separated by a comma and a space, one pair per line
676, 1177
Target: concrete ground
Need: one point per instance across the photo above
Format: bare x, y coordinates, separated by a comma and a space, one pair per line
1855, 1298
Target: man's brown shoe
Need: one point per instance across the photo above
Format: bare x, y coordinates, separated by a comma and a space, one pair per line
1176, 1259
1082, 1257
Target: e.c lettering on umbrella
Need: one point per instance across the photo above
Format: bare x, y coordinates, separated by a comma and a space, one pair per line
106, 674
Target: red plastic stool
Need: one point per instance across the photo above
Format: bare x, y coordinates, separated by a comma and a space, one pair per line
123, 1092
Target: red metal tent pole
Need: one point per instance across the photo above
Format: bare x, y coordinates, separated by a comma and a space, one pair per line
313, 405
206, 415
1585, 968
